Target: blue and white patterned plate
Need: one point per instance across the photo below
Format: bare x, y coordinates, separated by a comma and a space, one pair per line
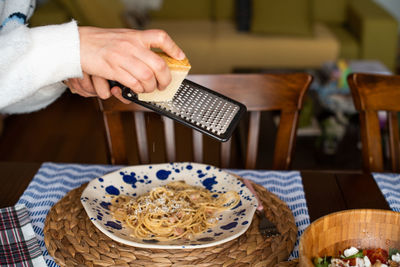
138, 180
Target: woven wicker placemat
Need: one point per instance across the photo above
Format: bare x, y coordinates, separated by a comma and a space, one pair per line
292, 263
73, 240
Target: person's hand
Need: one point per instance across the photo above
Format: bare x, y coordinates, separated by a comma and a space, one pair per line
81, 86
93, 86
124, 55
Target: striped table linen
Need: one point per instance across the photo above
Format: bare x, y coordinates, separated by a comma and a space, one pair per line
54, 180
18, 243
389, 184
287, 185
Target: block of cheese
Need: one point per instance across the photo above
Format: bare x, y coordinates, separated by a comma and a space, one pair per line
179, 70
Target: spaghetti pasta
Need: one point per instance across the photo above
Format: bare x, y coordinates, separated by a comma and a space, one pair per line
176, 210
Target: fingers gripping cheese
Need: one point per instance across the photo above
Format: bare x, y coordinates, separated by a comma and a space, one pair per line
179, 70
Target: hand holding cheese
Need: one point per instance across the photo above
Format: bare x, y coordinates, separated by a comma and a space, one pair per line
125, 56
179, 70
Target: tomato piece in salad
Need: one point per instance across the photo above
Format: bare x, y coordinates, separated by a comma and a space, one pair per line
377, 254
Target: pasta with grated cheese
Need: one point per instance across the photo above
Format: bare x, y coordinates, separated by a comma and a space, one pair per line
176, 210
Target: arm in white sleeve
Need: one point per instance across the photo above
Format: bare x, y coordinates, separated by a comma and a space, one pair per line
33, 62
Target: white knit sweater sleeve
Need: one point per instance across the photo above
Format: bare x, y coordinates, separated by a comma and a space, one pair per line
33, 62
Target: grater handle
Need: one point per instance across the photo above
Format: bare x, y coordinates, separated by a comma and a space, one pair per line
127, 93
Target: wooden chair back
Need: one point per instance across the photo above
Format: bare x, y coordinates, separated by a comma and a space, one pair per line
372, 93
259, 92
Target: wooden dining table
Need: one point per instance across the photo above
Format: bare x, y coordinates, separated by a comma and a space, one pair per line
325, 191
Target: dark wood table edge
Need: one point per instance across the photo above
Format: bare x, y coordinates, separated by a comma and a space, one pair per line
14, 179
346, 190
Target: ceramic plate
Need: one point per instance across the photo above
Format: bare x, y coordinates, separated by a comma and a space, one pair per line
138, 180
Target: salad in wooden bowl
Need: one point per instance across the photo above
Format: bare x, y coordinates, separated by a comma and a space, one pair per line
361, 237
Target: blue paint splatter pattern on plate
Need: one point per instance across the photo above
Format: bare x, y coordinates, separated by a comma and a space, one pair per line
137, 180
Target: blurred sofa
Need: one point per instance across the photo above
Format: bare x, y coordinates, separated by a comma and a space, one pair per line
221, 36
281, 34
99, 13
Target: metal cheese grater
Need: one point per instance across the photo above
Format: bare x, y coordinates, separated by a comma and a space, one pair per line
198, 107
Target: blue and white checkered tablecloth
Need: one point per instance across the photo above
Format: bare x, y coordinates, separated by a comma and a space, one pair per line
54, 180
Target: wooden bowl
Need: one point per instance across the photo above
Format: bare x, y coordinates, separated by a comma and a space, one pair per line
361, 228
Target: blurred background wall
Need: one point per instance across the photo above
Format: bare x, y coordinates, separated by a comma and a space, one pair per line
392, 6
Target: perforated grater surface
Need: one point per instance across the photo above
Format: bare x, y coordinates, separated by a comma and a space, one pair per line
198, 107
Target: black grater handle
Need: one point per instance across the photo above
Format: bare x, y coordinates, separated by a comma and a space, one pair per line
127, 93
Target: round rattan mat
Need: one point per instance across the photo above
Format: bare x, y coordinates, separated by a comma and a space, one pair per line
73, 240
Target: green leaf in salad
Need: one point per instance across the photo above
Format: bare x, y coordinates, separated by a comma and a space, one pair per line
359, 254
393, 251
322, 262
